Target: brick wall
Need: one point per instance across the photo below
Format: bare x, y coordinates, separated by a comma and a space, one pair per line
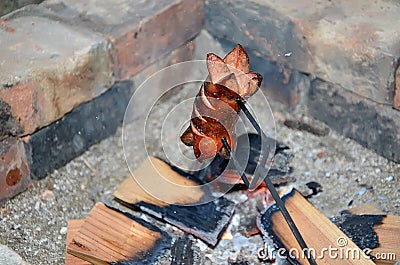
79, 56
65, 61
339, 58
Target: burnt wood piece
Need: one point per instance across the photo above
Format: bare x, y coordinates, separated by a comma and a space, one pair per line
317, 230
110, 236
206, 221
182, 252
282, 157
248, 154
359, 228
315, 188
182, 208
371, 230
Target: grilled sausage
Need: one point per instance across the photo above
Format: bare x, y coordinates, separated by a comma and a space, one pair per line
215, 109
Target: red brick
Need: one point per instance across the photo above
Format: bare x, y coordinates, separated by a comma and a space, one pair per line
396, 100
166, 30
58, 143
140, 32
373, 125
350, 43
14, 170
49, 69
181, 54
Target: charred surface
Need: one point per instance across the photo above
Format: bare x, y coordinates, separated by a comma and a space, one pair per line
360, 228
182, 251
205, 221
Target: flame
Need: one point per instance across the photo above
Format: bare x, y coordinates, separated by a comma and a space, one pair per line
283, 191
227, 236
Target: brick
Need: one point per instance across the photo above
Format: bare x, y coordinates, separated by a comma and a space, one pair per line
373, 125
396, 100
106, 15
55, 145
89, 123
63, 53
48, 69
9, 126
183, 53
351, 43
162, 33
281, 83
139, 32
14, 170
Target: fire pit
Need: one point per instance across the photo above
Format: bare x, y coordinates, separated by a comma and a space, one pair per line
334, 103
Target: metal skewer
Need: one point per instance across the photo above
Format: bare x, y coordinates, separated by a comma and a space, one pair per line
261, 133
270, 186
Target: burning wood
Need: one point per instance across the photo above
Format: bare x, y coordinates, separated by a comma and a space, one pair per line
373, 231
317, 230
278, 172
205, 221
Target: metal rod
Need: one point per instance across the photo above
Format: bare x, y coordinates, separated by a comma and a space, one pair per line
260, 132
235, 162
251, 118
271, 187
289, 221
278, 201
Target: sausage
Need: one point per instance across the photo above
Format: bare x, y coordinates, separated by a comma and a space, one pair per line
215, 109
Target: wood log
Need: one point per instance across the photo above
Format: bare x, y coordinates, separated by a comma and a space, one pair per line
324, 239
203, 220
108, 235
72, 228
370, 229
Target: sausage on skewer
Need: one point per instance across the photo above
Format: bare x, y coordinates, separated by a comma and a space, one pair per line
215, 109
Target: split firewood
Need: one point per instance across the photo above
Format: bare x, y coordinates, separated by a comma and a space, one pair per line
109, 236
183, 208
376, 233
72, 229
215, 109
325, 241
155, 182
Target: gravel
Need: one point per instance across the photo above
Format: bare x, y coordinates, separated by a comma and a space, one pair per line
33, 224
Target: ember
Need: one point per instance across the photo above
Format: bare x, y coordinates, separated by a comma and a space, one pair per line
227, 236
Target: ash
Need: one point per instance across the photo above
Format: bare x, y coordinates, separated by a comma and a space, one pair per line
33, 224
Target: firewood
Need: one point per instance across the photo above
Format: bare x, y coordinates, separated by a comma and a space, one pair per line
370, 229
182, 208
111, 236
318, 231
389, 240
72, 228
155, 177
